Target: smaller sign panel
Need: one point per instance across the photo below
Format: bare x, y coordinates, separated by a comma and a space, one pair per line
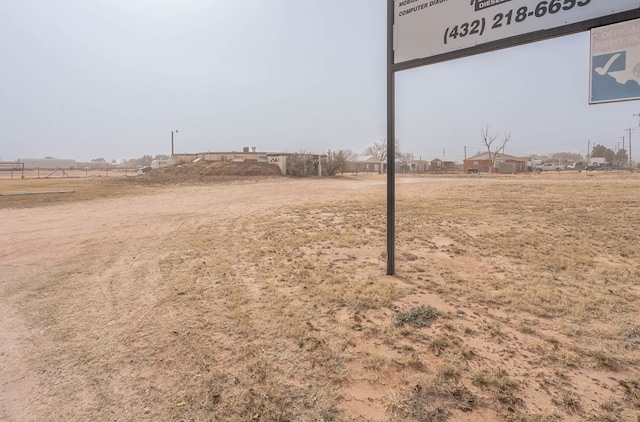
615, 62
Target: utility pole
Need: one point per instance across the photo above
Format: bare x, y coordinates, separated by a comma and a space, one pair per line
630, 142
465, 152
172, 142
588, 151
630, 147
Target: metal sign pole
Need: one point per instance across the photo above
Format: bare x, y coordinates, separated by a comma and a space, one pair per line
457, 29
391, 144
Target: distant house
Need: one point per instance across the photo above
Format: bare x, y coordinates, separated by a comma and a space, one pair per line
365, 164
441, 165
418, 166
504, 163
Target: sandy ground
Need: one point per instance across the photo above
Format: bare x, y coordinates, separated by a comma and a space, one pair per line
36, 240
101, 302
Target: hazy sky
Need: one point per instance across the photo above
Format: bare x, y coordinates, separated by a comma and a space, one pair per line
112, 78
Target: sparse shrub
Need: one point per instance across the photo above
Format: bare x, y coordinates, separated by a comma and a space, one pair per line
439, 343
450, 373
480, 379
527, 327
503, 382
335, 162
632, 392
431, 399
631, 339
571, 402
468, 353
607, 360
409, 256
301, 165
422, 316
608, 411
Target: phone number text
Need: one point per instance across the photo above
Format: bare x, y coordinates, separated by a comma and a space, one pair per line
478, 26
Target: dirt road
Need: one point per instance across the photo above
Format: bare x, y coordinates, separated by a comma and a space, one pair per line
48, 246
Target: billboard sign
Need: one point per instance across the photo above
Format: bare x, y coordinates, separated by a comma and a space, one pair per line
428, 28
615, 62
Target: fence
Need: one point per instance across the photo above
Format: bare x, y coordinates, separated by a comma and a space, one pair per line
12, 167
9, 171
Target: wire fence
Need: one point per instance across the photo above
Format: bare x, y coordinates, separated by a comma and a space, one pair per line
17, 171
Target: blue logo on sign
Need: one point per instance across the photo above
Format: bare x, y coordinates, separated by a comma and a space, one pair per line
613, 62
604, 86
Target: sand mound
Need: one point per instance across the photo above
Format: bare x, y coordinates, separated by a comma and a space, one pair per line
204, 170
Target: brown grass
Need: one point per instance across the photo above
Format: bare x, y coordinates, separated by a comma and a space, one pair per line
285, 314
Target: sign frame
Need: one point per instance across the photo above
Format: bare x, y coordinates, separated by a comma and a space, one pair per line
393, 67
507, 42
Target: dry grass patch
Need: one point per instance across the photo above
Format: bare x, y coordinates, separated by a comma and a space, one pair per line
431, 398
518, 296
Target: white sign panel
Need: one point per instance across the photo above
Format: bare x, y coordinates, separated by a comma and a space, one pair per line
426, 28
615, 62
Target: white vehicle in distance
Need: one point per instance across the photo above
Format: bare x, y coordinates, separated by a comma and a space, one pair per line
547, 167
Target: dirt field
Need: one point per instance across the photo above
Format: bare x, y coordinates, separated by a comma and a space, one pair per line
264, 298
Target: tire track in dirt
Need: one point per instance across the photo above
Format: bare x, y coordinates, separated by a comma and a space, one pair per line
47, 245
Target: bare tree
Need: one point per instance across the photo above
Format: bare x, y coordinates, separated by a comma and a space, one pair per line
379, 149
494, 147
336, 161
405, 159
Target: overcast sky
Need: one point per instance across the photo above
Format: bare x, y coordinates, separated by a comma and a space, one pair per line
112, 78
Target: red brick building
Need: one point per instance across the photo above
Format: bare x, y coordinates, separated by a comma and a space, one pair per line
505, 164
